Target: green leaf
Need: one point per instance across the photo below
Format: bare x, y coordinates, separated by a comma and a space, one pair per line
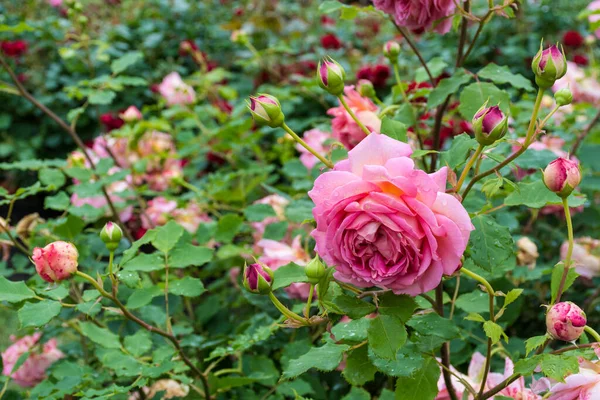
526, 366
512, 296
420, 386
228, 227
476, 94
357, 393
299, 210
559, 366
18, 28
52, 177
431, 324
354, 331
324, 358
447, 87
436, 66
353, 307
536, 195
394, 129
475, 317
359, 369
90, 308
491, 244
14, 292
101, 97
167, 236
186, 255
259, 212
557, 273
121, 64
188, 287
494, 331
500, 75
60, 201
38, 314
143, 297
534, 342
459, 149
474, 302
145, 263
101, 336
401, 306
288, 274
139, 343
386, 335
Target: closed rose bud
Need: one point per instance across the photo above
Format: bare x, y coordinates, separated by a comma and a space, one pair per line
562, 176
258, 278
391, 50
563, 97
315, 270
266, 110
365, 88
56, 262
489, 125
131, 114
549, 65
330, 76
565, 321
111, 235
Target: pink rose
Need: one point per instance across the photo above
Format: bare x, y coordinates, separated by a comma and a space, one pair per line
132, 113
114, 190
584, 87
381, 222
175, 91
583, 385
344, 128
315, 138
277, 254
55, 262
190, 217
585, 256
419, 15
158, 212
33, 370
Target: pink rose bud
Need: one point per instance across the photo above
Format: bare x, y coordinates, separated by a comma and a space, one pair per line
489, 125
565, 321
365, 88
56, 262
258, 278
111, 235
391, 50
266, 110
131, 114
330, 76
562, 176
549, 65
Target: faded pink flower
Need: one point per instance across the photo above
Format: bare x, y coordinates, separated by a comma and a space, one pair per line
190, 217
584, 385
176, 91
315, 138
158, 211
33, 370
113, 190
277, 254
584, 86
586, 252
565, 321
515, 390
419, 15
132, 113
55, 3
344, 128
55, 262
278, 203
383, 223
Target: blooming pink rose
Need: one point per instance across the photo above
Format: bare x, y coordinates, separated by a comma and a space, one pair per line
381, 222
344, 128
176, 91
190, 217
515, 390
277, 254
158, 211
315, 138
584, 385
33, 370
420, 15
55, 262
131, 114
585, 256
594, 6
585, 88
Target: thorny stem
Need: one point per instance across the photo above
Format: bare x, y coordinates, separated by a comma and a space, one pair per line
563, 279
353, 115
298, 139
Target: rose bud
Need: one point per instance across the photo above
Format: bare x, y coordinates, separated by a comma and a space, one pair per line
330, 76
56, 262
131, 114
365, 88
489, 125
258, 278
315, 270
562, 176
549, 65
266, 110
565, 321
563, 97
111, 235
391, 50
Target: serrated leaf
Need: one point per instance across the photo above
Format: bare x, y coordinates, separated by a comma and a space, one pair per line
60, 201
186, 255
167, 236
501, 74
386, 334
14, 292
101, 97
145, 263
38, 314
353, 307
512, 296
359, 369
447, 87
475, 317
537, 195
143, 297
402, 306
476, 94
394, 129
355, 330
534, 342
188, 287
474, 302
557, 273
558, 366
491, 244
494, 331
420, 386
139, 343
459, 149
324, 358
259, 212
288, 274
121, 64
52, 176
101, 336
436, 66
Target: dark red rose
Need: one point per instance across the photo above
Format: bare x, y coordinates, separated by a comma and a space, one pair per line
573, 39
223, 105
15, 48
364, 73
111, 121
414, 87
580, 59
326, 20
331, 42
380, 74
139, 233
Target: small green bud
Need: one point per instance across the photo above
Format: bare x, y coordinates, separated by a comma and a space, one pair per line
111, 235
391, 50
266, 110
315, 270
365, 88
563, 97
